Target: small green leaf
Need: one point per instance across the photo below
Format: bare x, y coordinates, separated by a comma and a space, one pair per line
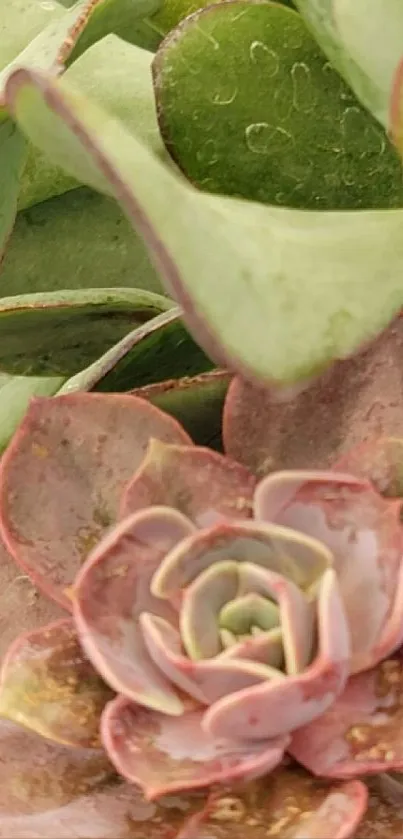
160, 349
249, 106
105, 73
15, 394
78, 240
125, 18
275, 293
197, 403
363, 40
65, 331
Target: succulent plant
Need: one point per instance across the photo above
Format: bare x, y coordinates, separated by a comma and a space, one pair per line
215, 623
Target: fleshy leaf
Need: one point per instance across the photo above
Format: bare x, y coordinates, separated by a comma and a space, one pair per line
280, 706
196, 402
349, 35
357, 400
362, 732
363, 532
49, 686
22, 21
66, 331
165, 755
13, 151
48, 790
302, 323
287, 804
113, 590
206, 75
22, 607
202, 484
380, 461
15, 395
63, 474
145, 354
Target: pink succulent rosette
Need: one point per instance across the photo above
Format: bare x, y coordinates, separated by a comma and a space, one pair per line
215, 623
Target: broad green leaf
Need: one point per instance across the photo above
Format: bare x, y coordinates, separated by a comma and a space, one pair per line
161, 349
197, 403
364, 40
21, 22
125, 18
275, 293
79, 240
15, 394
65, 331
249, 106
105, 73
13, 152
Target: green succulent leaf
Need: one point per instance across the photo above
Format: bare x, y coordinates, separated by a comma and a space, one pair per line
65, 331
125, 18
275, 293
78, 240
13, 152
160, 349
106, 72
363, 40
15, 394
249, 106
21, 22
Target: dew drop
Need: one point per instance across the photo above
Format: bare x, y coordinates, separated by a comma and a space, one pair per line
226, 95
259, 136
304, 93
265, 57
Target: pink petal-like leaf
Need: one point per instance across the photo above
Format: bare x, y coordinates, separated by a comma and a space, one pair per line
63, 475
280, 706
206, 681
48, 791
380, 461
287, 804
22, 607
362, 732
364, 534
202, 484
113, 590
357, 399
165, 754
48, 685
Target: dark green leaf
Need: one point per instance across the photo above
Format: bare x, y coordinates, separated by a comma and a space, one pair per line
249, 106
65, 331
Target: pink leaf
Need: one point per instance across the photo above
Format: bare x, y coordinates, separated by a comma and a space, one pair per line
356, 399
287, 804
164, 754
202, 484
49, 686
113, 590
380, 461
279, 706
364, 534
362, 732
63, 474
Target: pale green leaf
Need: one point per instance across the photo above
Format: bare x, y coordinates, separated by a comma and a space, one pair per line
275, 293
13, 152
15, 394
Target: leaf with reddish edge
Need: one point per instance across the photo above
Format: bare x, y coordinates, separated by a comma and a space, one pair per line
363, 532
164, 754
113, 589
48, 791
48, 685
288, 804
362, 732
280, 706
380, 461
358, 399
22, 607
63, 474
198, 482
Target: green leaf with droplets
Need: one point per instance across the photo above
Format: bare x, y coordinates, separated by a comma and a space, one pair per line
249, 106
65, 331
274, 293
363, 39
